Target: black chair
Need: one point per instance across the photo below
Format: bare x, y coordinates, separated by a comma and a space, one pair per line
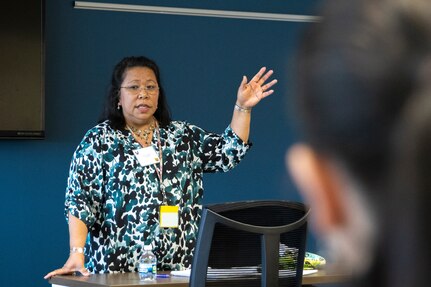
247, 235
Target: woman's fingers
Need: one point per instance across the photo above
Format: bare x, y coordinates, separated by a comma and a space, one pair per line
59, 271
259, 74
265, 77
260, 78
269, 85
243, 84
250, 93
65, 270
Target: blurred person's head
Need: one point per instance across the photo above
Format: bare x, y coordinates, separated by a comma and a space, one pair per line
364, 101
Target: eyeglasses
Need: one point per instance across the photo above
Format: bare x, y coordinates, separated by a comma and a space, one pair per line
150, 87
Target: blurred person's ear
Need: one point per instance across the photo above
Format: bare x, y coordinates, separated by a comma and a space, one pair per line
320, 184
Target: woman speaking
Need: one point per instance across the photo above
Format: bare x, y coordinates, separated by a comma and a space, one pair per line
136, 177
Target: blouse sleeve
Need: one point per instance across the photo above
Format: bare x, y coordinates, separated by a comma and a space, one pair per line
85, 182
220, 152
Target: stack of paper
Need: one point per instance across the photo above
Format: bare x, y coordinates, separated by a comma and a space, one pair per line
235, 272
238, 272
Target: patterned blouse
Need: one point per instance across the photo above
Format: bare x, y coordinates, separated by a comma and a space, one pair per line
119, 200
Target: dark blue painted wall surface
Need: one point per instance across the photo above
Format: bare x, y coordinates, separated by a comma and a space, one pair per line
202, 61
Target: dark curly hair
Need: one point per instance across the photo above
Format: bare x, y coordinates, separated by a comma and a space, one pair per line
114, 115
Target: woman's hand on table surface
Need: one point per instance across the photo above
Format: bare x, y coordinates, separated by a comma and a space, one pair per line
75, 263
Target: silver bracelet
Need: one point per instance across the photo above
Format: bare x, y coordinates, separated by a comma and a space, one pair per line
77, 250
241, 109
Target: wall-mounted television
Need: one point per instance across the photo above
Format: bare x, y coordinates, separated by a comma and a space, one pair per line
22, 104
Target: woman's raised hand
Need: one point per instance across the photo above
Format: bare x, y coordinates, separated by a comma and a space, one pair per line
252, 92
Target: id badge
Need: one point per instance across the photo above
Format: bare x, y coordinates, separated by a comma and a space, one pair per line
146, 156
169, 216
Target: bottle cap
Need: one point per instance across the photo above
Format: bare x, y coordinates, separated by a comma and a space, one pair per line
147, 247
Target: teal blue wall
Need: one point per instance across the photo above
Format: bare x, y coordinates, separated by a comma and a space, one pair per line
202, 61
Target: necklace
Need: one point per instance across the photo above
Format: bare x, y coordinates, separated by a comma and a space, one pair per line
143, 134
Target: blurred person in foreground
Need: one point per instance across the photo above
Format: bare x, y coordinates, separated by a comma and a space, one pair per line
364, 115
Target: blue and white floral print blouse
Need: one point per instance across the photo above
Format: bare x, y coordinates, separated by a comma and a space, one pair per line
119, 200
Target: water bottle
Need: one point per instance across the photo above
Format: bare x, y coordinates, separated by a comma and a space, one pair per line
147, 265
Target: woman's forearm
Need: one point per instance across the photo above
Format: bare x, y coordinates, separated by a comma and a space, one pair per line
250, 93
240, 123
77, 232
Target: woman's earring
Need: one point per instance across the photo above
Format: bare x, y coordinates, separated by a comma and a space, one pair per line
118, 106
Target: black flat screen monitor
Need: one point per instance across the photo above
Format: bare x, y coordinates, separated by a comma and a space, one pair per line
22, 70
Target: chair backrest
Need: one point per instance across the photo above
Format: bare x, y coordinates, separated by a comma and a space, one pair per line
250, 234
